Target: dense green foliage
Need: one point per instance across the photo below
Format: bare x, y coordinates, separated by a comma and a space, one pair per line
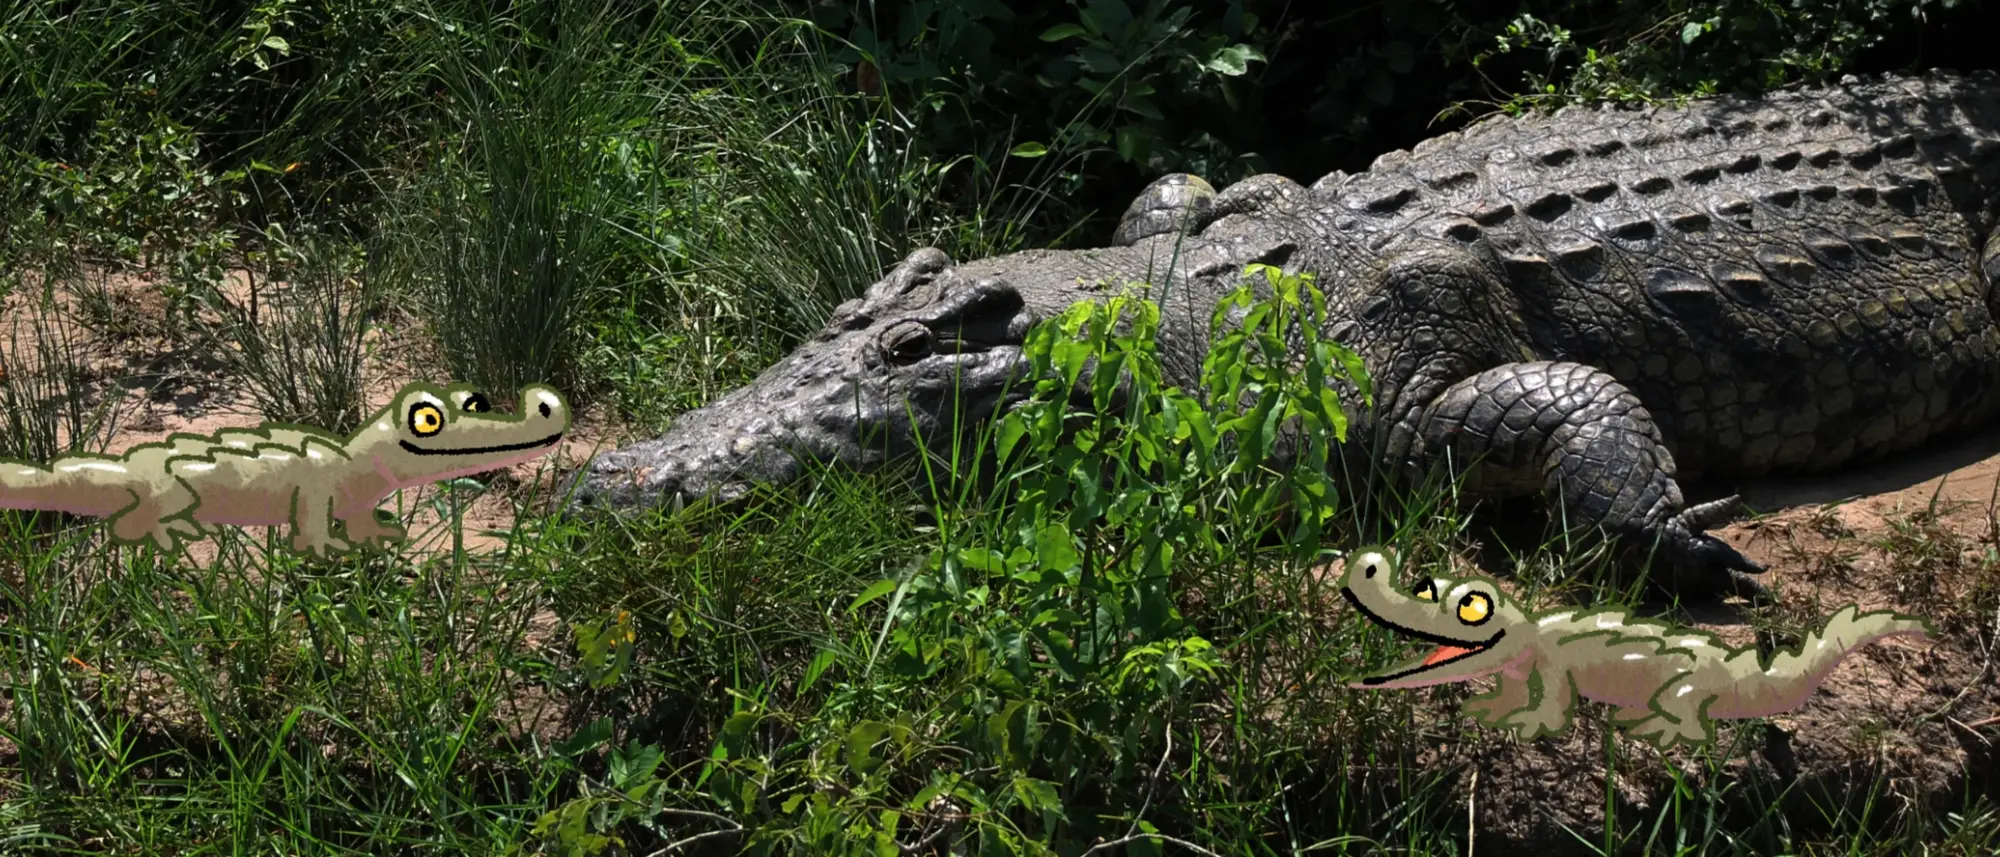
1111, 632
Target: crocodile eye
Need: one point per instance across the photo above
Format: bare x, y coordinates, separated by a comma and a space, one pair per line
1427, 590
475, 403
908, 342
1475, 608
426, 419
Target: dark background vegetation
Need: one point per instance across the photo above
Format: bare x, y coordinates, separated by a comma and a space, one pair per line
1129, 89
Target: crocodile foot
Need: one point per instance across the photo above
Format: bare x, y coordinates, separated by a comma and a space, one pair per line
1711, 562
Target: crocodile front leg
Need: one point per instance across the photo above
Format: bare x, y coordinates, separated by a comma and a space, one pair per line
312, 524
1177, 202
1587, 443
1509, 695
1553, 696
1186, 204
364, 530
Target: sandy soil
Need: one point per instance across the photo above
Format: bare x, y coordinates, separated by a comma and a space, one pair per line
162, 392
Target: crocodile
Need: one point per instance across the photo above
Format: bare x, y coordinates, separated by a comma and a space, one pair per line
1668, 683
1593, 305
167, 492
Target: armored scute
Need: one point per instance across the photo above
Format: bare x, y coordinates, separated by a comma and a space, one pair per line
1588, 304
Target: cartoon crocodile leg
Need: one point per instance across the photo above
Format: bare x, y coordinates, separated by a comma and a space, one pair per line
1509, 694
363, 529
1554, 695
1583, 439
312, 524
1676, 714
157, 518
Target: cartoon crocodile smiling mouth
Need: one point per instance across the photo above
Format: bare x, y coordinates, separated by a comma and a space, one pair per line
1667, 683
176, 489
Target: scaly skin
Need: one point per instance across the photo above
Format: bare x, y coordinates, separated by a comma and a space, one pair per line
177, 489
1591, 305
1669, 684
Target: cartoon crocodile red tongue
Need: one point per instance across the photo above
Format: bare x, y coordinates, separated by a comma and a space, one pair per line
1445, 653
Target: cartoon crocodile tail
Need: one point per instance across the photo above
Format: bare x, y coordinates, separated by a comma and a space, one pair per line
27, 486
1793, 675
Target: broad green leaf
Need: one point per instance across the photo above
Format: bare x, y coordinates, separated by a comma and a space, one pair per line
1029, 150
590, 737
861, 742
1004, 726
1037, 795
875, 590
736, 732
629, 765
1055, 548
1060, 32
1233, 60
819, 663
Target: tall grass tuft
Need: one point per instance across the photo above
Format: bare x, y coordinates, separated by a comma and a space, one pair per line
507, 229
298, 334
45, 379
820, 189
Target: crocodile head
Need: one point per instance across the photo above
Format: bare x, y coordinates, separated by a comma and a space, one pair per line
929, 348
431, 433
1475, 628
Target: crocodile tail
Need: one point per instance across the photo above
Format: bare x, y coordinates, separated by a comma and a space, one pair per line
1793, 675
81, 491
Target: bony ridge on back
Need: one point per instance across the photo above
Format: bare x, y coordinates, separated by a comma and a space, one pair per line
324, 487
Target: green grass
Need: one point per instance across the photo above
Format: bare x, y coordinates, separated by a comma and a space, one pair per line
646, 205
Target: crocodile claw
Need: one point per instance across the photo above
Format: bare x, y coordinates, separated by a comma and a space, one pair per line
1712, 514
1711, 562
1693, 524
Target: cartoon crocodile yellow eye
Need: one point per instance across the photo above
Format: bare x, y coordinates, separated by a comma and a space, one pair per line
1475, 608
475, 403
1427, 590
426, 419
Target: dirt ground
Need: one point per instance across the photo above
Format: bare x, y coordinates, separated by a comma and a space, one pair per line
163, 392
1916, 534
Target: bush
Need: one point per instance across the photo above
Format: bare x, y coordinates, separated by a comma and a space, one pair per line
1045, 676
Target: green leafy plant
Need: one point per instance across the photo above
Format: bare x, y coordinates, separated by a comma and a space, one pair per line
1691, 47
1047, 631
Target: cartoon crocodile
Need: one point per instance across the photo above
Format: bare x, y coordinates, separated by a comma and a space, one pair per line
1668, 683
276, 474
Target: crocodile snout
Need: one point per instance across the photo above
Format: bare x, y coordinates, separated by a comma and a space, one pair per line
674, 474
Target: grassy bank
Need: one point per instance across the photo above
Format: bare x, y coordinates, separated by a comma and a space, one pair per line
645, 205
